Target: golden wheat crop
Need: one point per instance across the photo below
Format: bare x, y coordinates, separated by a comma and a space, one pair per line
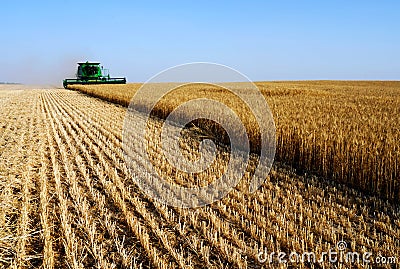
68, 200
346, 131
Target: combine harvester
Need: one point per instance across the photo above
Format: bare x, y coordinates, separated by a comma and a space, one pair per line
92, 73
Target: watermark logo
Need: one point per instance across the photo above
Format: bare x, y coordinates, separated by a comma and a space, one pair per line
340, 254
196, 98
341, 245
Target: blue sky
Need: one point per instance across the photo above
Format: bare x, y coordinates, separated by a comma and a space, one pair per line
41, 41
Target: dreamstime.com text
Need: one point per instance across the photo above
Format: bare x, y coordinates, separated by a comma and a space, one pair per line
340, 254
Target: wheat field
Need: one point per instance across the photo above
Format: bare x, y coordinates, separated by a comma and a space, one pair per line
345, 131
68, 200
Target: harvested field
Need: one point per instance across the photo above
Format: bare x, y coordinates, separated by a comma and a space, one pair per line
68, 200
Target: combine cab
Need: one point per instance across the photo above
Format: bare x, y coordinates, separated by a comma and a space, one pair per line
92, 73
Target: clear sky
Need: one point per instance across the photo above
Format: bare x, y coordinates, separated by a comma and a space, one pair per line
41, 41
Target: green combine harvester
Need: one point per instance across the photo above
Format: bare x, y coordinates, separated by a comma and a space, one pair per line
92, 73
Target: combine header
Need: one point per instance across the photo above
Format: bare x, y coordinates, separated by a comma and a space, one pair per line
92, 73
